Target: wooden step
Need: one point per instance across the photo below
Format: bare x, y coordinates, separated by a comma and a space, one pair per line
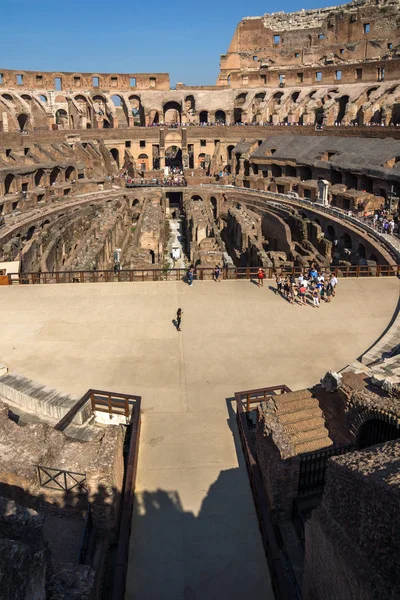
290, 396
313, 445
300, 415
297, 405
309, 435
305, 425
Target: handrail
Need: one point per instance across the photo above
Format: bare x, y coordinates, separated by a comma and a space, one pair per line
259, 395
202, 273
125, 523
335, 212
282, 577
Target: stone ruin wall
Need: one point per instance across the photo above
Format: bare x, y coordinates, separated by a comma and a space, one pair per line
363, 35
357, 519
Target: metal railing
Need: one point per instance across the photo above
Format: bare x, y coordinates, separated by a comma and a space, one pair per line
59, 479
111, 403
202, 273
313, 468
250, 397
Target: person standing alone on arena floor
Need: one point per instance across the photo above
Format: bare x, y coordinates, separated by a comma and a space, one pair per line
179, 314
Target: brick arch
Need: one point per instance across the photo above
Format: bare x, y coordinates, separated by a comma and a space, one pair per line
369, 414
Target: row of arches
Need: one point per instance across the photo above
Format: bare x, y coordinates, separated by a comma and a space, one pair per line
40, 178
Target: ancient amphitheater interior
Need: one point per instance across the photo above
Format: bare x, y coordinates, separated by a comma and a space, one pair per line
252, 449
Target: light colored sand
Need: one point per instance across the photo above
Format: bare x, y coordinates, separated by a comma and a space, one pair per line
194, 534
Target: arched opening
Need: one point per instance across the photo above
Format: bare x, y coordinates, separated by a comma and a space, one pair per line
260, 97
26, 97
276, 170
190, 103
396, 114
305, 173
39, 175
106, 124
115, 154
54, 175
154, 117
7, 97
202, 161
69, 173
295, 96
241, 98
43, 98
196, 198
143, 162
135, 202
22, 121
152, 256
290, 171
351, 180
373, 89
30, 232
238, 115
246, 166
214, 205
361, 250
61, 116
278, 97
319, 116
10, 184
173, 157
377, 117
376, 431
347, 243
343, 100
237, 165
137, 111
172, 113
203, 116
116, 100
229, 151
366, 184
220, 116
330, 233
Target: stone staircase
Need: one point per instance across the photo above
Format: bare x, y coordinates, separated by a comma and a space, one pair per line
302, 420
39, 399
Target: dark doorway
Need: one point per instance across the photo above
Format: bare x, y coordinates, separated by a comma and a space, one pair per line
173, 157
376, 431
175, 199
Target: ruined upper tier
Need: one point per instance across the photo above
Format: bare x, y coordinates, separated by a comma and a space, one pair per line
284, 48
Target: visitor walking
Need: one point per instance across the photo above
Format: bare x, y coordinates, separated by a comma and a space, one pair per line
190, 276
260, 277
217, 273
179, 314
278, 284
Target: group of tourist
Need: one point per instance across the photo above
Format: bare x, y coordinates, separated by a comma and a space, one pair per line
175, 177
384, 222
268, 124
314, 285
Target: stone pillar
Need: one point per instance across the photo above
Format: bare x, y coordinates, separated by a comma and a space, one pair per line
323, 189
5, 121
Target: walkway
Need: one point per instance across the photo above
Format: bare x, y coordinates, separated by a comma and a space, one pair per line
176, 242
194, 534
